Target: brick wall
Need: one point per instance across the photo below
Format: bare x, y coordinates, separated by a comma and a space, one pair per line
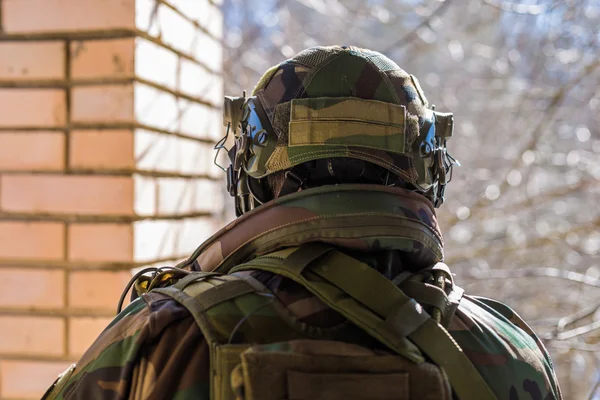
108, 113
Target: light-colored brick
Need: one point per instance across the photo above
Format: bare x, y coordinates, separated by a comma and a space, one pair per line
209, 51
176, 196
172, 154
156, 108
209, 195
33, 107
32, 335
66, 15
196, 81
101, 242
32, 60
103, 149
32, 151
176, 31
145, 195
74, 194
102, 58
32, 288
200, 121
194, 231
155, 63
203, 12
144, 11
28, 379
155, 239
83, 332
199, 160
102, 104
32, 240
96, 289
160, 65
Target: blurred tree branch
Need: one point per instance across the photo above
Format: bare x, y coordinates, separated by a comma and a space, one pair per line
522, 80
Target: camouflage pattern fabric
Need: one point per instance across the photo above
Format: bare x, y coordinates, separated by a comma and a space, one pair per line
154, 349
341, 73
398, 218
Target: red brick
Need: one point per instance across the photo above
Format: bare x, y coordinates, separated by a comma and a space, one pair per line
44, 289
74, 194
96, 289
18, 106
102, 104
32, 150
104, 149
32, 335
66, 15
101, 242
32, 240
83, 332
28, 379
32, 60
102, 58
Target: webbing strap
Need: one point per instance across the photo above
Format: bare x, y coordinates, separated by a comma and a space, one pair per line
223, 293
427, 294
337, 300
194, 308
198, 294
395, 311
191, 277
198, 300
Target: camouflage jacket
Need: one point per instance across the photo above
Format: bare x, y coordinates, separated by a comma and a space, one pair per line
154, 349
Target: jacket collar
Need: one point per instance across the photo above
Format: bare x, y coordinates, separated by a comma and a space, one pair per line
351, 216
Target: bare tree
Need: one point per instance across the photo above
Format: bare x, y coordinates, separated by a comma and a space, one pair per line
522, 218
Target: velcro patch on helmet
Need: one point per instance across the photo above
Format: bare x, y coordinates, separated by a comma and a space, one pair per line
348, 121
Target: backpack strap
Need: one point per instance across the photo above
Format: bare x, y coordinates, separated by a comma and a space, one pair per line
374, 303
199, 291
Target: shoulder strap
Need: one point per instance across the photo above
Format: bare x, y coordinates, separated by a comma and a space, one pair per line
375, 304
199, 291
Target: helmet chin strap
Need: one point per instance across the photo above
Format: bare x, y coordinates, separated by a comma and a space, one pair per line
294, 181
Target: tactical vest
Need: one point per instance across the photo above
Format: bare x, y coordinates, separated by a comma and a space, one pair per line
258, 352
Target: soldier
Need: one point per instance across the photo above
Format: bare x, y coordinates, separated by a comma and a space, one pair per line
330, 284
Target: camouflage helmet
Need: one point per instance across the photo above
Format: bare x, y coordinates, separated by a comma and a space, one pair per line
336, 102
